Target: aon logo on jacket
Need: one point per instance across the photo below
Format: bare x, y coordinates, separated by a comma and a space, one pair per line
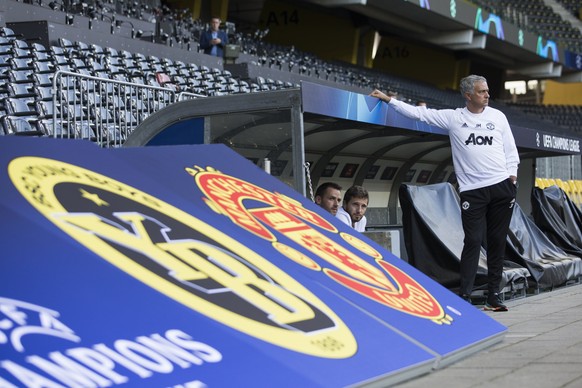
479, 140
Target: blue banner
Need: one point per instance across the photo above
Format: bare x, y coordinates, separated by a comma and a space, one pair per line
343, 104
189, 266
573, 60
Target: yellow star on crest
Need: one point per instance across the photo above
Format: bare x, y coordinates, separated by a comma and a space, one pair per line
93, 197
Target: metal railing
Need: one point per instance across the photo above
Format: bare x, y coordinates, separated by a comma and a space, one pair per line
104, 110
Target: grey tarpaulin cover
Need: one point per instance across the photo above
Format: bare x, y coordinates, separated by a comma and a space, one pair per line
548, 264
556, 215
433, 235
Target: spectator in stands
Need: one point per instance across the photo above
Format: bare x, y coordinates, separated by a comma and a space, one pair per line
485, 159
328, 196
421, 103
214, 40
354, 208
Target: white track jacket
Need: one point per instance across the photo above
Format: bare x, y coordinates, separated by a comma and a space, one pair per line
483, 147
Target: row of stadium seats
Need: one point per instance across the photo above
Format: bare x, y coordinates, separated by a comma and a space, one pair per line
137, 9
537, 17
532, 15
567, 116
184, 28
28, 91
135, 67
30, 70
573, 6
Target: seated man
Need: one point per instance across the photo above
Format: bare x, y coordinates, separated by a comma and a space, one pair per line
354, 207
328, 196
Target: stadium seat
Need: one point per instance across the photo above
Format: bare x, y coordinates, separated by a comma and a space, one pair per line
97, 69
39, 48
21, 53
244, 87
20, 76
45, 109
5, 63
20, 106
67, 45
575, 195
8, 33
78, 65
97, 51
52, 128
127, 120
111, 52
43, 79
20, 90
83, 130
19, 44
5, 45
60, 60
43, 67
43, 93
19, 126
75, 112
21, 63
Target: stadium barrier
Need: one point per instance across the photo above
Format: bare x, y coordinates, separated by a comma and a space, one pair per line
104, 110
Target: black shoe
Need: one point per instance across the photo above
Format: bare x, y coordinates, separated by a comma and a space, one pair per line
466, 298
494, 303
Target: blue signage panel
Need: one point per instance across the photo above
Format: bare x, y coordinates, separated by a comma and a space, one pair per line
542, 140
189, 266
573, 60
343, 104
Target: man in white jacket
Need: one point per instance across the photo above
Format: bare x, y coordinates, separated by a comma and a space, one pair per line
354, 208
485, 159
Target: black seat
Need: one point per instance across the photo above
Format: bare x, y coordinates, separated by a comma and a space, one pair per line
19, 126
21, 63
20, 106
67, 45
8, 33
5, 44
43, 79
21, 90
20, 76
43, 67
50, 127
